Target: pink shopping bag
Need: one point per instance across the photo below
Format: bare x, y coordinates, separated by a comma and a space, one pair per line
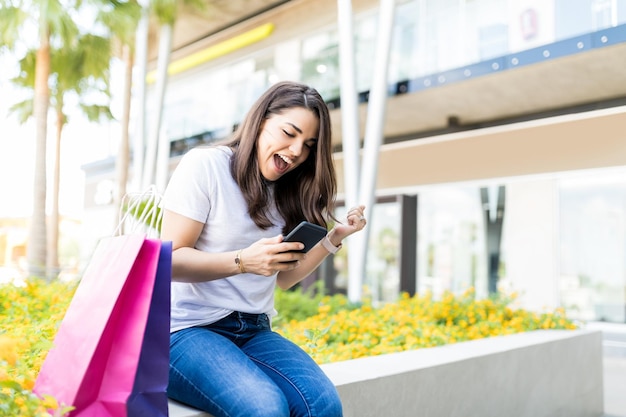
94, 360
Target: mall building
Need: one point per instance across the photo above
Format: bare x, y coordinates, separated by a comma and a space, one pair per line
503, 162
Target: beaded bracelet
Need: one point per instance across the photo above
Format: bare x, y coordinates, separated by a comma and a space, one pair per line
239, 262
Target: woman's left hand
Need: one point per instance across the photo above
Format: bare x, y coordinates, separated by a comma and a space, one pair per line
355, 221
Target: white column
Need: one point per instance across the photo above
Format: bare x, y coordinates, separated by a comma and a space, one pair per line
373, 139
349, 129
532, 252
141, 62
349, 101
155, 140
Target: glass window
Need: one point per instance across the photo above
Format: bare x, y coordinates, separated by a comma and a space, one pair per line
621, 11
444, 41
218, 113
382, 276
486, 27
199, 106
320, 63
241, 74
287, 65
602, 13
248, 80
492, 41
572, 18
365, 50
382, 268
451, 241
403, 59
593, 247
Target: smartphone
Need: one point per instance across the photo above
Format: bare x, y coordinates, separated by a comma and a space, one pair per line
307, 233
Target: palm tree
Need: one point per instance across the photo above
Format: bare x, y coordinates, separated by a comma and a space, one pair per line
122, 20
80, 68
53, 22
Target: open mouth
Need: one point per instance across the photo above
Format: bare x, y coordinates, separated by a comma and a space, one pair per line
281, 164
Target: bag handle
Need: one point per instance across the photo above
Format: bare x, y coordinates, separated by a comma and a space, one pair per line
140, 212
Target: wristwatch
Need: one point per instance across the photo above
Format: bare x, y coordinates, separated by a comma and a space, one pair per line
328, 245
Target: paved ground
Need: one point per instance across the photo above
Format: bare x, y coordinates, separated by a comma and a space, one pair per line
614, 344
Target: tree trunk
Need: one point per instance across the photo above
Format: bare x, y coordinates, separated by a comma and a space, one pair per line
123, 154
36, 249
53, 225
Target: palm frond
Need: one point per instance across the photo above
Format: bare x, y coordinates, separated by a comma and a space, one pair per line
23, 110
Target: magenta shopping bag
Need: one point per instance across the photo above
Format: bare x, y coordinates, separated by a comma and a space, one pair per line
96, 359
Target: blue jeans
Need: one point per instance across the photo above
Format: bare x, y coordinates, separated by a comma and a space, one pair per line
239, 367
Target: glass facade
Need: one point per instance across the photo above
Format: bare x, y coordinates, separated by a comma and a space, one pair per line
451, 240
382, 279
431, 37
593, 247
585, 215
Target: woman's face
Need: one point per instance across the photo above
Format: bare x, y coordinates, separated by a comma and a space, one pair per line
285, 141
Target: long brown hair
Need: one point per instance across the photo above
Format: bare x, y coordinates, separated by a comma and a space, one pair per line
306, 193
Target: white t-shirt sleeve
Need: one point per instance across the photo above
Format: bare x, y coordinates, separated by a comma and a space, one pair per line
189, 189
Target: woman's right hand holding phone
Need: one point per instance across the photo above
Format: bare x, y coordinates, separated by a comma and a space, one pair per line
270, 255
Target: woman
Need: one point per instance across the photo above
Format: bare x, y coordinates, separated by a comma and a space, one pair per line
226, 210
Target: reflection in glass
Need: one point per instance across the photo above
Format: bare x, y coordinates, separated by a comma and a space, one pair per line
451, 240
382, 275
593, 248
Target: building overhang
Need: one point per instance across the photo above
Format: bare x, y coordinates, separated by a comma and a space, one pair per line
582, 141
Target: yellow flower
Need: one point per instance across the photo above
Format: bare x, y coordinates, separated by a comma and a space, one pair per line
28, 384
323, 309
49, 402
8, 349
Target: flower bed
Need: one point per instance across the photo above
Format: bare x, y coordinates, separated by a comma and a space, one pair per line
29, 316
329, 328
338, 333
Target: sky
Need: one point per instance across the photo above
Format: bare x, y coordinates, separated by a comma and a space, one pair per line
82, 142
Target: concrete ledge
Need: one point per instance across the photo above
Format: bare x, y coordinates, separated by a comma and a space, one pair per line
180, 410
546, 373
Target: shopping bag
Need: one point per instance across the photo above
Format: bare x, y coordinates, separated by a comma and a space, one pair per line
97, 352
148, 397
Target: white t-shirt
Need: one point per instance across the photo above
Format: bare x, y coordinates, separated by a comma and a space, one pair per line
203, 189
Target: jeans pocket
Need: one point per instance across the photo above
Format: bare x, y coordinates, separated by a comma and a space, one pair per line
264, 322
